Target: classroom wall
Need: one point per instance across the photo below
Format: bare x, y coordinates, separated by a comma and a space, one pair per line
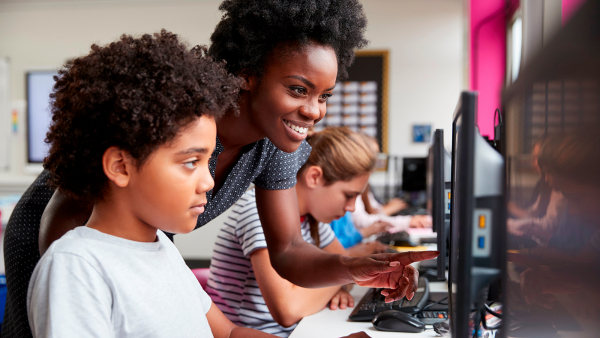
424, 37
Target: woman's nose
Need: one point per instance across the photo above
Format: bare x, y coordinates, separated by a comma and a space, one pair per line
311, 111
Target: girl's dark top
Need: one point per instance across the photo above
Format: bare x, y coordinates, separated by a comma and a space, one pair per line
262, 163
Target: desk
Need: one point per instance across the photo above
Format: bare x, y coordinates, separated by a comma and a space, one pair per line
332, 324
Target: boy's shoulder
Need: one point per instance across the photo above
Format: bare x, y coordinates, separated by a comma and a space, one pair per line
93, 245
77, 241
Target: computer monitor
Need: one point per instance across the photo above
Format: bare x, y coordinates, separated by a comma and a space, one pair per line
414, 174
39, 87
438, 190
477, 227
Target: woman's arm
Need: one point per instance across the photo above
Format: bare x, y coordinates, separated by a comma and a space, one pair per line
63, 213
304, 264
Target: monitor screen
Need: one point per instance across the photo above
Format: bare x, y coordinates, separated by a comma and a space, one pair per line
414, 174
39, 87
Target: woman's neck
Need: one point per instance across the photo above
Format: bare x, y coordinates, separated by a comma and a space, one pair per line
236, 132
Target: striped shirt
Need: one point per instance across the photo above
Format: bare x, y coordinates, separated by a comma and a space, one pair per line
232, 284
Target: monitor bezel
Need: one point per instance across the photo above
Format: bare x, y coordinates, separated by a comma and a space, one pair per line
463, 165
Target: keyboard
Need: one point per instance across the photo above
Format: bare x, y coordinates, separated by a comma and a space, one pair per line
411, 211
373, 302
432, 317
401, 238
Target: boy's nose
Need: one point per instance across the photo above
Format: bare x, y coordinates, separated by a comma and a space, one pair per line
205, 183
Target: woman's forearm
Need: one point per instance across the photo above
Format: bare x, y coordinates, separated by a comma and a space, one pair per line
62, 214
304, 264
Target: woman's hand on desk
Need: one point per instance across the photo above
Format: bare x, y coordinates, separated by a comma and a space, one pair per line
390, 271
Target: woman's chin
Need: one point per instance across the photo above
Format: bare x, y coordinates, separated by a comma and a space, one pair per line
287, 146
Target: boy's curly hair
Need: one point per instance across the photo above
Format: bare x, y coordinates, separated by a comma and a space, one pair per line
136, 94
251, 29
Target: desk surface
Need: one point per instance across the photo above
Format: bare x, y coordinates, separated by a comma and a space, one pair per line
328, 323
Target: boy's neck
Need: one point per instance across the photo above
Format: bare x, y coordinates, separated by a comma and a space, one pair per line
114, 217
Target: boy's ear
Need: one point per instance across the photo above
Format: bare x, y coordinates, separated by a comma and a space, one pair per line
313, 176
117, 165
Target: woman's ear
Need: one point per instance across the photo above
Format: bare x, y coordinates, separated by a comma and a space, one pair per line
313, 176
249, 79
117, 165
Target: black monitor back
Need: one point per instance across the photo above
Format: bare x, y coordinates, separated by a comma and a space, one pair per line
435, 197
477, 217
414, 174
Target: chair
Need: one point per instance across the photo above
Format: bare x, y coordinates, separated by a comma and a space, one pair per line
202, 276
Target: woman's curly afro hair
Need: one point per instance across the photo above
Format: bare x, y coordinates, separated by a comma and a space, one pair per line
136, 94
251, 29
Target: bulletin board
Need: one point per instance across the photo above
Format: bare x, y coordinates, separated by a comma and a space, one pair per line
360, 102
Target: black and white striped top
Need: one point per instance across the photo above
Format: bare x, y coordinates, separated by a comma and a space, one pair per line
232, 284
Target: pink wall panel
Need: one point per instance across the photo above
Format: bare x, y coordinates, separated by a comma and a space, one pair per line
569, 7
487, 58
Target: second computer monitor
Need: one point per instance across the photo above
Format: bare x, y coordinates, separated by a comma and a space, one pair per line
438, 190
477, 245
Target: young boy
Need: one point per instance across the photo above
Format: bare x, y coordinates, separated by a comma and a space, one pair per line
133, 130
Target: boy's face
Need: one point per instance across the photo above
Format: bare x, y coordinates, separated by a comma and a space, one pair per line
168, 191
330, 202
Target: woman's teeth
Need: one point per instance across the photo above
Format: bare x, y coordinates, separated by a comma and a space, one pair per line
299, 130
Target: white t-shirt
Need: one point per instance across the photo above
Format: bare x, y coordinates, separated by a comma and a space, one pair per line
232, 284
91, 284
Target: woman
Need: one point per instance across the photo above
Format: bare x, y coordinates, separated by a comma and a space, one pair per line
289, 55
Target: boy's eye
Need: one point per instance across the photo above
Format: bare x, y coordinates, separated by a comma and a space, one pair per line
190, 164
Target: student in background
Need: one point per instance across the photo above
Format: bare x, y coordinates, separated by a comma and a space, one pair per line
143, 160
350, 237
369, 211
541, 218
243, 283
566, 271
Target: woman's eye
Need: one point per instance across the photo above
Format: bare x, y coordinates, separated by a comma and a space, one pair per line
299, 90
326, 96
190, 164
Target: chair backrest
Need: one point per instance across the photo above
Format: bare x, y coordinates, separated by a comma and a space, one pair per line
202, 276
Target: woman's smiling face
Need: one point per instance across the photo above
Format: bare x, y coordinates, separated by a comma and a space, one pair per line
291, 95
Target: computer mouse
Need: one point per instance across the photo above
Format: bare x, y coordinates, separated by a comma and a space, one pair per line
397, 321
